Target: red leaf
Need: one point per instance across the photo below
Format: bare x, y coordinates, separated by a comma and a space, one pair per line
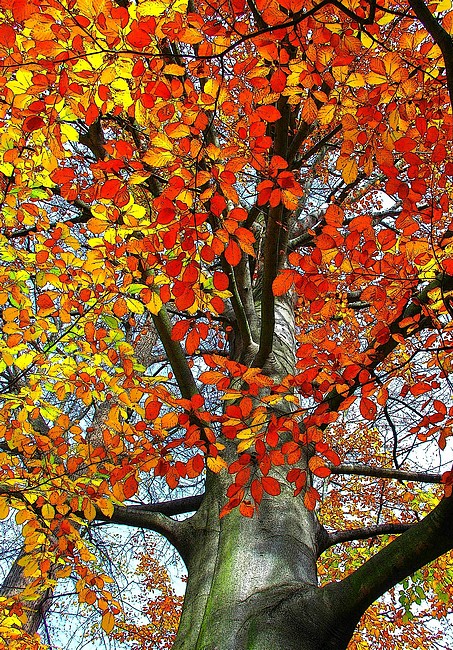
283, 282
278, 81
246, 509
7, 36
256, 490
130, 487
138, 38
110, 188
33, 123
179, 330
92, 114
45, 301
367, 408
271, 485
325, 242
62, 175
221, 281
233, 253
268, 113
405, 144
439, 153
152, 409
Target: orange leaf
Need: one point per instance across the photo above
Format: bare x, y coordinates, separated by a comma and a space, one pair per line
268, 113
108, 622
283, 282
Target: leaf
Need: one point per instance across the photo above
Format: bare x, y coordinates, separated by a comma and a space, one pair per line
130, 487
350, 171
283, 282
368, 408
233, 253
216, 464
309, 111
268, 113
271, 485
318, 466
4, 508
108, 622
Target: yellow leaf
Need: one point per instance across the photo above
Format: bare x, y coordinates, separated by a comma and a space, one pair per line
22, 516
89, 511
70, 132
174, 69
152, 7
162, 141
350, 171
376, 78
4, 508
158, 158
155, 304
48, 511
216, 464
326, 113
136, 178
356, 80
135, 306
105, 506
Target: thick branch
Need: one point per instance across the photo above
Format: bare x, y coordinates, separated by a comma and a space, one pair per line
421, 543
171, 507
440, 36
274, 246
239, 308
155, 520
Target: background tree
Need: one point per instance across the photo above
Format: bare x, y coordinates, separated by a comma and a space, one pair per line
226, 270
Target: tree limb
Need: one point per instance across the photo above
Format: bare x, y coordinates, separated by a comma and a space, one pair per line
420, 544
341, 536
175, 354
384, 472
274, 246
156, 517
440, 36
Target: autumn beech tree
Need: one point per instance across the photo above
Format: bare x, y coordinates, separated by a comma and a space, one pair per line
226, 289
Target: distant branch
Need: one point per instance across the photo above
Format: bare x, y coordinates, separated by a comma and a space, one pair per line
275, 245
339, 537
384, 472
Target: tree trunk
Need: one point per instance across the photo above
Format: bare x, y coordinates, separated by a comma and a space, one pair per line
252, 583
14, 584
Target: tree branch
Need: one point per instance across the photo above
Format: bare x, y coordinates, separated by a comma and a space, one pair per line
384, 472
420, 544
175, 354
274, 246
156, 517
341, 536
440, 36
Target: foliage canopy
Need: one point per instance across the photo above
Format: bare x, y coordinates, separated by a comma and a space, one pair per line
226, 267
